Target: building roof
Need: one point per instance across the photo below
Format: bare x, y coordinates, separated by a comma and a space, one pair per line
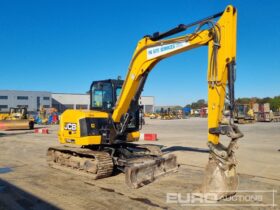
30, 91
72, 93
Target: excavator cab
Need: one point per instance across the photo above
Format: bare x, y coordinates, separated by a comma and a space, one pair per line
103, 97
104, 94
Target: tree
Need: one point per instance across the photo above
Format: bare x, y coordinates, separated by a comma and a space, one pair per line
243, 100
265, 100
275, 103
198, 104
177, 108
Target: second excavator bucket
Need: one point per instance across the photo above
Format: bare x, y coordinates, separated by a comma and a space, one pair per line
145, 170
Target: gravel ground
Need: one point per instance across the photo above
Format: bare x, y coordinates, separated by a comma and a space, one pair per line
26, 182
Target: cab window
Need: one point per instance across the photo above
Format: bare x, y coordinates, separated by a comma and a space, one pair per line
118, 92
102, 96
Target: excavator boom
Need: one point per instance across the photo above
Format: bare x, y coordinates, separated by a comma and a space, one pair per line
113, 120
220, 37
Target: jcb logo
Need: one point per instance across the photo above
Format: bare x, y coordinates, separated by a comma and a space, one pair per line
70, 126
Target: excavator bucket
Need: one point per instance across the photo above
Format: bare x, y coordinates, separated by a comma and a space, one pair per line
220, 178
143, 171
219, 181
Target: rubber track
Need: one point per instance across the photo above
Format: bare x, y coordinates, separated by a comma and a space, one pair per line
103, 161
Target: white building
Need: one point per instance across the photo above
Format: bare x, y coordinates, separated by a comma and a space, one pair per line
148, 103
63, 101
32, 100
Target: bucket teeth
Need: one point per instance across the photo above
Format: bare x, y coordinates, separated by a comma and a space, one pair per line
142, 173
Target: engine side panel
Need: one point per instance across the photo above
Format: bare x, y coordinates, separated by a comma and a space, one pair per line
82, 127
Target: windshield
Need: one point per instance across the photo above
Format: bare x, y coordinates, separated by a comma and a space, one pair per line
102, 96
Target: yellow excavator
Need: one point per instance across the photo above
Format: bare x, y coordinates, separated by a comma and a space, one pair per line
17, 119
98, 141
244, 114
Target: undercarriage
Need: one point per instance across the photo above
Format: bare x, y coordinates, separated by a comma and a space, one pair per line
142, 164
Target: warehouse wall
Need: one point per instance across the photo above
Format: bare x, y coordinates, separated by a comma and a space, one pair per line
148, 103
32, 100
63, 101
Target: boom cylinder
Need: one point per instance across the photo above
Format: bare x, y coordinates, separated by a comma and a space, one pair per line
231, 80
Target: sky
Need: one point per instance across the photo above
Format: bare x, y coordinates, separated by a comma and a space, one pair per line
64, 45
